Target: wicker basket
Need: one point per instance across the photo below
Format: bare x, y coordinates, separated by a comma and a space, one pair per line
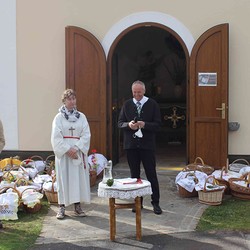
211, 197
92, 176
52, 196
200, 166
34, 209
183, 192
239, 191
22, 206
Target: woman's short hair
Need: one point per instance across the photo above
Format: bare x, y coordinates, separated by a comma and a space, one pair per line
67, 93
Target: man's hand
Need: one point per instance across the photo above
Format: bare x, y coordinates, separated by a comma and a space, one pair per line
136, 125
133, 125
141, 124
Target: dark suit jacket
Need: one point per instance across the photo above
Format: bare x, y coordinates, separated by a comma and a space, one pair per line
150, 114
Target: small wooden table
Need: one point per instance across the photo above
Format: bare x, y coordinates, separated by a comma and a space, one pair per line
119, 190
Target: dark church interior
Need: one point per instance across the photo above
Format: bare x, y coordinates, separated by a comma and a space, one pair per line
156, 57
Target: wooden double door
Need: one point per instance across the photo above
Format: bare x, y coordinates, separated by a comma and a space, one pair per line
90, 73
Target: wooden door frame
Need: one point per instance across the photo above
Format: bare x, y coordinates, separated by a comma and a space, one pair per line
109, 76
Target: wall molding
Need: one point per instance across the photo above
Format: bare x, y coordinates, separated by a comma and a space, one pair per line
148, 16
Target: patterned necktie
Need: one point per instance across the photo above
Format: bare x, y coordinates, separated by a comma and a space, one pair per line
138, 104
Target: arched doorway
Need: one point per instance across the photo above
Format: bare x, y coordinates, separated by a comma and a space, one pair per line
88, 71
156, 55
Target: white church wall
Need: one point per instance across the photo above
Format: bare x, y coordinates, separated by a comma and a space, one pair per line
8, 73
41, 55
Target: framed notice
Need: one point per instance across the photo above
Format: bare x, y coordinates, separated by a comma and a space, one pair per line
207, 79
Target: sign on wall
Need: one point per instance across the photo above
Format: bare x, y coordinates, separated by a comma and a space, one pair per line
207, 79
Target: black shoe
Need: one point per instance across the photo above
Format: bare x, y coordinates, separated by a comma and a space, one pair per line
156, 208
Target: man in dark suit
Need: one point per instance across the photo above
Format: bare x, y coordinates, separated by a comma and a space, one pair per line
139, 119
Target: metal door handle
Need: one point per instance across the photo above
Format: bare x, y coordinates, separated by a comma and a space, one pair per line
223, 110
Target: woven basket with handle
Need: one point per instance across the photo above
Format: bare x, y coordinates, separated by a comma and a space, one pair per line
52, 195
211, 197
239, 191
199, 165
186, 194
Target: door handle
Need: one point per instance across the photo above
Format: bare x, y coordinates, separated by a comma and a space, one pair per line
223, 110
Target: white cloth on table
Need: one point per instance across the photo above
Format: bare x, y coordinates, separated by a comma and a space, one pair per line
125, 191
72, 177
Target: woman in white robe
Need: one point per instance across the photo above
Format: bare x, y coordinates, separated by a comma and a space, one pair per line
70, 139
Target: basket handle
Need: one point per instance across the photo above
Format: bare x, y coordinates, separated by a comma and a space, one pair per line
200, 159
246, 178
36, 157
7, 173
237, 160
14, 189
222, 170
23, 169
192, 174
50, 156
10, 167
50, 164
209, 177
19, 180
53, 181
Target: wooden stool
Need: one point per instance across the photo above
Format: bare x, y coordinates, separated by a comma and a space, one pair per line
120, 191
112, 215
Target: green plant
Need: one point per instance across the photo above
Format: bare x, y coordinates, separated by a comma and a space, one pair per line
232, 214
22, 233
110, 182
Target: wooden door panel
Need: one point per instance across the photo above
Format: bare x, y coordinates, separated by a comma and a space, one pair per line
208, 130
86, 73
205, 144
209, 49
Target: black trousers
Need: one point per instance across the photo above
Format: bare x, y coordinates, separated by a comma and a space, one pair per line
147, 157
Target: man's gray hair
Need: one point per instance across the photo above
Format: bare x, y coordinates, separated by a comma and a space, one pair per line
139, 82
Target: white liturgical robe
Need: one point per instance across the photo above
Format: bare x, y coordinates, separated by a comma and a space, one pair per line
72, 175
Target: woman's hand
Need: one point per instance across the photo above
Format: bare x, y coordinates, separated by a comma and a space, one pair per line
72, 153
